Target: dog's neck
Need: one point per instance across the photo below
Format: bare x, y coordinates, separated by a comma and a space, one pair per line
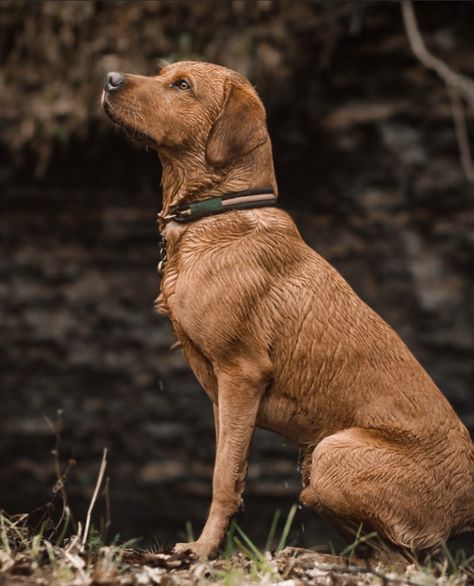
187, 177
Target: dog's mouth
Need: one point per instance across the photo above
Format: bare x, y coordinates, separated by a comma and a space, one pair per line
121, 120
108, 110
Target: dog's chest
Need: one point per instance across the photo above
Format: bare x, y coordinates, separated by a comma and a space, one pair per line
201, 367
172, 305
165, 302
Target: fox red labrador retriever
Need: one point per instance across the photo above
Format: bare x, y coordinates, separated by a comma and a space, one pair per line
276, 336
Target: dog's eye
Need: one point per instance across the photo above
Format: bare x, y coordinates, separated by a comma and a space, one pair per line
182, 84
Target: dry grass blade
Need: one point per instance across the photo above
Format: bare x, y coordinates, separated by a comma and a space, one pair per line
103, 466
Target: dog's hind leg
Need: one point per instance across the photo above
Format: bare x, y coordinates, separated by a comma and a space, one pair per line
359, 477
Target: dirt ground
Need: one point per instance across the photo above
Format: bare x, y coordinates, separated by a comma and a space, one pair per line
290, 567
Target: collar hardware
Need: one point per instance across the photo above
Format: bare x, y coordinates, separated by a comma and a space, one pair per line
211, 206
237, 200
162, 254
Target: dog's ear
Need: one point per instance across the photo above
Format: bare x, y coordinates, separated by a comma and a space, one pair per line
239, 129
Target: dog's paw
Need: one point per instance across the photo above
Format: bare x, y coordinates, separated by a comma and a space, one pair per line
197, 548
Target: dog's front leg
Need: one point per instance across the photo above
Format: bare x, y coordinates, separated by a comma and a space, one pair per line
239, 393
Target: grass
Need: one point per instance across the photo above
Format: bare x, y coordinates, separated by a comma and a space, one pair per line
261, 566
60, 560
63, 552
247, 547
64, 562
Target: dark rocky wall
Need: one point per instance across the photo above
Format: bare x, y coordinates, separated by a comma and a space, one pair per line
368, 166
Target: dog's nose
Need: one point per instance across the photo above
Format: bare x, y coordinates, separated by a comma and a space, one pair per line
114, 81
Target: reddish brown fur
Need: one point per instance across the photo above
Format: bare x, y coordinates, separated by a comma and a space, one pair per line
278, 339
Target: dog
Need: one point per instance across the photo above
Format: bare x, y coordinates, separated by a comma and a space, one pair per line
276, 336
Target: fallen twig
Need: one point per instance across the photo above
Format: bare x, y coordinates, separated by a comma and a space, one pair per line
459, 86
463, 84
462, 134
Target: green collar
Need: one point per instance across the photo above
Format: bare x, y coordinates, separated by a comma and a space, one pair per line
238, 200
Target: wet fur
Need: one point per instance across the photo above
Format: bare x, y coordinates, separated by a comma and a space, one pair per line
278, 339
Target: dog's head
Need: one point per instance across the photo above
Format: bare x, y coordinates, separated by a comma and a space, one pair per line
190, 106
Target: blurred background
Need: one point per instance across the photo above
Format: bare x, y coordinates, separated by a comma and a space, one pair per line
368, 166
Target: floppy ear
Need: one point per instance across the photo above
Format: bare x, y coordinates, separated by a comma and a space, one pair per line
239, 129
